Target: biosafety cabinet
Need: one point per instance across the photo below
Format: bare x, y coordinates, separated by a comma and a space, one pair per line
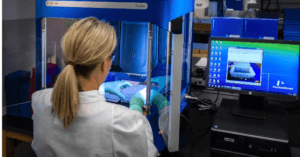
146, 48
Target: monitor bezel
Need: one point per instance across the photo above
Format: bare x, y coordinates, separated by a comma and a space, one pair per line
275, 96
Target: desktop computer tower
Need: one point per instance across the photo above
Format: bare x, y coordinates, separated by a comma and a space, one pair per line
236, 136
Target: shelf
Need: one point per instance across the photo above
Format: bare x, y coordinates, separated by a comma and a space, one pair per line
202, 27
201, 32
199, 53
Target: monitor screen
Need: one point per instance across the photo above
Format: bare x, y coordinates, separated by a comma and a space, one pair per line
270, 67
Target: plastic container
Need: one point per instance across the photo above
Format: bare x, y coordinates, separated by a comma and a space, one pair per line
230, 4
238, 5
291, 30
291, 38
13, 83
290, 16
260, 28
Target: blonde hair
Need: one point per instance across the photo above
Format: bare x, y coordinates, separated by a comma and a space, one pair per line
86, 44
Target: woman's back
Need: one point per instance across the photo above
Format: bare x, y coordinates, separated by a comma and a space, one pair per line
100, 129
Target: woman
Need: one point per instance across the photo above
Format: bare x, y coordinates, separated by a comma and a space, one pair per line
73, 119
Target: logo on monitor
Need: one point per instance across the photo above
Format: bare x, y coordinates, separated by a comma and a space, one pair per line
278, 82
133, 53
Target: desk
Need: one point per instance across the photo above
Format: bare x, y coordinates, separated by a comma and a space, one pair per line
201, 141
19, 128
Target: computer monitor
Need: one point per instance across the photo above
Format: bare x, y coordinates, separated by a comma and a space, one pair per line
254, 69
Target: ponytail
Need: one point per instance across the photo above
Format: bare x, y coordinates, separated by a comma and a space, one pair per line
65, 96
86, 44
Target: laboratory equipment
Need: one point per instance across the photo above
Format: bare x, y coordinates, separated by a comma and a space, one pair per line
253, 4
238, 5
220, 7
231, 27
235, 5
213, 8
245, 126
17, 86
290, 18
201, 9
260, 28
146, 49
198, 76
230, 4
291, 25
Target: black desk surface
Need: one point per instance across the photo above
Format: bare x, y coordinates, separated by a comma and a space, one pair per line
197, 144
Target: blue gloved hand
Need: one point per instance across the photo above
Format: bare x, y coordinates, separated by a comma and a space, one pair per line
138, 101
114, 87
161, 81
160, 101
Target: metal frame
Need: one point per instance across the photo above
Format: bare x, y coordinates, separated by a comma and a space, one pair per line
149, 67
169, 48
182, 44
44, 55
190, 46
174, 113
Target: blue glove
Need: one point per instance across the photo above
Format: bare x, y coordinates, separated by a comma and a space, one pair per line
161, 81
138, 101
160, 101
114, 88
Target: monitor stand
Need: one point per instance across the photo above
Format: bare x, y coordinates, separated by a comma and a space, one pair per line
250, 107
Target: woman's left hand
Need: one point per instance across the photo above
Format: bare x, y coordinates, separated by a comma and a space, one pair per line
115, 86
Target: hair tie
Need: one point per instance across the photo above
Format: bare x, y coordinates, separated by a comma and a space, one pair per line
71, 63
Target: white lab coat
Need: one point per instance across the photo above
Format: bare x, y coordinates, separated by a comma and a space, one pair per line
101, 129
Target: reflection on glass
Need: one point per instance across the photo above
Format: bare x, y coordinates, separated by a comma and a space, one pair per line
18, 81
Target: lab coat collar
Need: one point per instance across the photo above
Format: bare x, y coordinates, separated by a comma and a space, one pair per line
90, 97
